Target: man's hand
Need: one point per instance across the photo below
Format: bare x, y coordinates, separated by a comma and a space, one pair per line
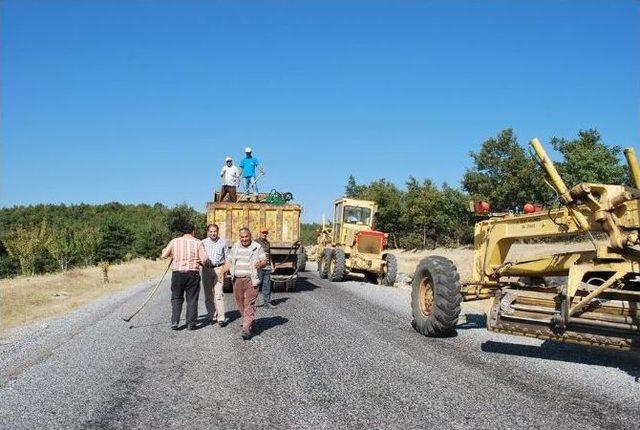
260, 264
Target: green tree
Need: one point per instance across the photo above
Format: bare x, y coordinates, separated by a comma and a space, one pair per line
117, 240
62, 246
504, 174
183, 213
390, 207
589, 159
25, 245
418, 228
352, 190
308, 233
151, 238
450, 218
88, 242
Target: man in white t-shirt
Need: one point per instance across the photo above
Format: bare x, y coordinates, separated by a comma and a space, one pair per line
230, 175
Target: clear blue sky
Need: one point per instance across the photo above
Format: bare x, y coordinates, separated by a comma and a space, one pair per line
140, 101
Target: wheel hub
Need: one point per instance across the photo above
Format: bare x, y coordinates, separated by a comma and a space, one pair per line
426, 296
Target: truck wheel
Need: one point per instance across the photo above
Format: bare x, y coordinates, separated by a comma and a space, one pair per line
337, 266
323, 263
302, 262
435, 296
388, 277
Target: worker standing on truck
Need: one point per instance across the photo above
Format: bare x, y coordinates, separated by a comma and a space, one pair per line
213, 275
265, 272
244, 261
188, 256
248, 169
230, 175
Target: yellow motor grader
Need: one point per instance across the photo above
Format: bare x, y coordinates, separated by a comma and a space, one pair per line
596, 302
352, 245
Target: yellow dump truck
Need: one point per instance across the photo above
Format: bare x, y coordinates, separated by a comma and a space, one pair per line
283, 223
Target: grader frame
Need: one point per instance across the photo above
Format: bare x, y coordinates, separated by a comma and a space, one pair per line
597, 300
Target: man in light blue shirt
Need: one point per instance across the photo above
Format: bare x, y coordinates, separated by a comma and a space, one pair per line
248, 170
213, 275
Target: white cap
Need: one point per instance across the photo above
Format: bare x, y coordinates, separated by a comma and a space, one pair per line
228, 159
247, 149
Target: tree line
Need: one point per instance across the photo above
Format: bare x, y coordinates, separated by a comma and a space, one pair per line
503, 172
46, 238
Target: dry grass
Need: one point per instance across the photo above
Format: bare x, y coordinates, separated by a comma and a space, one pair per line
27, 300
463, 257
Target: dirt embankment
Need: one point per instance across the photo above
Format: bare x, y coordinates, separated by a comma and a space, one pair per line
29, 299
463, 257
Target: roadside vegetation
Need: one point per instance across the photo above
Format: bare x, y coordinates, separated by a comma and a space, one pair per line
49, 238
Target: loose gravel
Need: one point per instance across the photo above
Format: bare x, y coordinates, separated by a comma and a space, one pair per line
331, 355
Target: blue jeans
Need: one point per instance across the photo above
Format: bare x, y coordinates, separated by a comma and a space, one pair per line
249, 183
265, 281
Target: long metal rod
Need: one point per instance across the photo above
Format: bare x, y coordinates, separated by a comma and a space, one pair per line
150, 295
615, 277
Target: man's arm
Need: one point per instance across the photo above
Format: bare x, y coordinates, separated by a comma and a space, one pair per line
202, 254
262, 260
168, 251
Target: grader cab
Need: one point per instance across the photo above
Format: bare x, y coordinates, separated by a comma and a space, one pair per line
352, 245
589, 297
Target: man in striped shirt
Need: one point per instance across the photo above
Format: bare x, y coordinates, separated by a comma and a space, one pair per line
244, 261
188, 256
213, 275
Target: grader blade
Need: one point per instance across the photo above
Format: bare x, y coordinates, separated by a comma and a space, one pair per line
612, 320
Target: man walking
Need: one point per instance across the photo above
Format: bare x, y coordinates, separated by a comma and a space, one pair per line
188, 255
265, 272
213, 275
248, 169
230, 175
244, 261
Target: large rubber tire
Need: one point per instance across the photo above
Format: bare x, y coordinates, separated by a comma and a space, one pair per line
389, 278
338, 266
323, 263
435, 296
301, 262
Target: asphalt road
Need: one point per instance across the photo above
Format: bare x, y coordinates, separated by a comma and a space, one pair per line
328, 356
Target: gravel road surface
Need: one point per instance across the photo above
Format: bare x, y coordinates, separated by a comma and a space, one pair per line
331, 355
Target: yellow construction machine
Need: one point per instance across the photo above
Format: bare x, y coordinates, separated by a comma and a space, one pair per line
597, 298
352, 245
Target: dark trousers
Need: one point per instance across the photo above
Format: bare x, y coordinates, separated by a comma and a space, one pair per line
228, 190
185, 284
265, 283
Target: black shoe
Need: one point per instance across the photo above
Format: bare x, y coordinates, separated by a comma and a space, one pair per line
223, 323
174, 326
246, 335
191, 327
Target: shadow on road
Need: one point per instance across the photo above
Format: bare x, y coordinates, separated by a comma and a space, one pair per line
276, 302
303, 284
266, 323
473, 321
232, 316
549, 350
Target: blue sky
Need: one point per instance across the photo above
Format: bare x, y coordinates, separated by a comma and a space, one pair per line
140, 101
